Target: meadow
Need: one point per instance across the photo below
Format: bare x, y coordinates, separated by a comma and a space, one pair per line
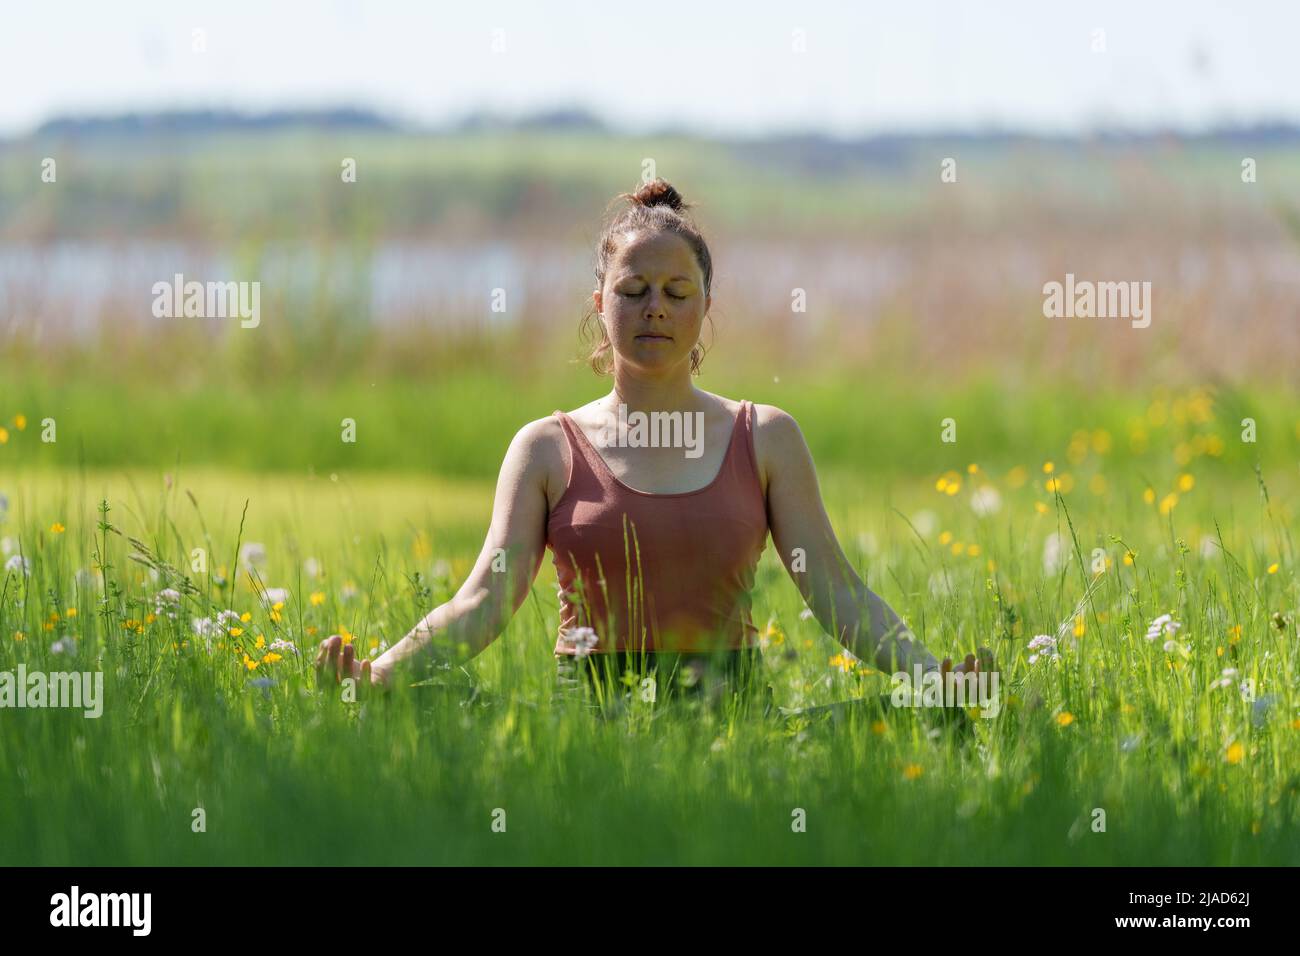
1189, 762
1116, 517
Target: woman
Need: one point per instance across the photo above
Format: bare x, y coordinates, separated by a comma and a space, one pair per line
655, 500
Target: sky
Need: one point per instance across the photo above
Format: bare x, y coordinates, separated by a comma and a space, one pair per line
714, 68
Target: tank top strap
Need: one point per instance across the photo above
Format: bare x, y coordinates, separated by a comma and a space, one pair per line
581, 466
750, 452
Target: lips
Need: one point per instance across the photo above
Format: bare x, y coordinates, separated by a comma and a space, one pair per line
649, 336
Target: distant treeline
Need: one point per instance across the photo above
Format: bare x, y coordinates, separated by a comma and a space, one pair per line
577, 119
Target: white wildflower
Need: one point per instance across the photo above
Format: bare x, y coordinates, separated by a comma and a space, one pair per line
985, 501
275, 596
166, 603
1053, 552
252, 554
20, 564
64, 645
925, 522
1043, 646
583, 639
1164, 624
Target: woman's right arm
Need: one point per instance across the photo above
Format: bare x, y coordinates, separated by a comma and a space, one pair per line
499, 581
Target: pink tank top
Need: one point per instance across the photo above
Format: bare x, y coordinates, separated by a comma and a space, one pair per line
659, 572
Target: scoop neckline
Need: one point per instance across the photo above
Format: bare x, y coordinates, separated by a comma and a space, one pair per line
731, 442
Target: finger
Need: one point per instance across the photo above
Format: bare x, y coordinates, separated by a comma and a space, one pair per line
332, 658
322, 657
986, 659
349, 656
970, 663
364, 682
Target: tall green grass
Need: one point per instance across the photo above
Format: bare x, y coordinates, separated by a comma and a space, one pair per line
1185, 772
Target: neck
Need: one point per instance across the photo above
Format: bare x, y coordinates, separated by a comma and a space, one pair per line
668, 393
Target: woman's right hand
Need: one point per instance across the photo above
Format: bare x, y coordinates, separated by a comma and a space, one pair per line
336, 661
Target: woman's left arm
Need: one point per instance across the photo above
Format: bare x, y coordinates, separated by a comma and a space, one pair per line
802, 535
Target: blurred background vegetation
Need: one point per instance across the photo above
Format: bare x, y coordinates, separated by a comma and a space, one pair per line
924, 298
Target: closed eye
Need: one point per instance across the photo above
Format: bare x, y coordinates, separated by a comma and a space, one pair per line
637, 295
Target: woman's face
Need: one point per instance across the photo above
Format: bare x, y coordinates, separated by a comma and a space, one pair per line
653, 302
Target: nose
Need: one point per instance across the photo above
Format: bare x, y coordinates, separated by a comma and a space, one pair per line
655, 306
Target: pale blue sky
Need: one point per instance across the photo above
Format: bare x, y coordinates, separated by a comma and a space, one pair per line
725, 68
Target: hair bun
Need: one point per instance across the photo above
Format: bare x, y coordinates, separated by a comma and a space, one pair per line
659, 193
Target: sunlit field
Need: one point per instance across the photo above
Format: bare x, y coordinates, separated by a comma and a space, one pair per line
1185, 735
1111, 509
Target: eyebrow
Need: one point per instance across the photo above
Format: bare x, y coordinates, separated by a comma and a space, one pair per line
642, 278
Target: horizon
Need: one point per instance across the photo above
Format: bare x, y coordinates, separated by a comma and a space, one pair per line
574, 118
937, 65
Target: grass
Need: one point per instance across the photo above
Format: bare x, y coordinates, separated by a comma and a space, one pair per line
1185, 772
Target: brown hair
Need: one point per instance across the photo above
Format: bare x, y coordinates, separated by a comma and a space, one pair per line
654, 206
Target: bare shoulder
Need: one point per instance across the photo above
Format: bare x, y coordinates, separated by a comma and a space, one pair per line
537, 454
776, 429
778, 441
